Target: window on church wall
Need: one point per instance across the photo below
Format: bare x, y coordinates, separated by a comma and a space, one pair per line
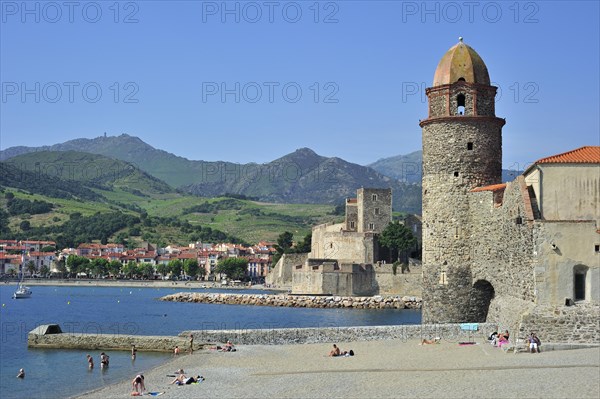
374, 197
376, 211
460, 104
351, 225
443, 278
470, 146
371, 226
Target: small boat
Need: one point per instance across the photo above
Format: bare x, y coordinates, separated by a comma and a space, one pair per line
22, 292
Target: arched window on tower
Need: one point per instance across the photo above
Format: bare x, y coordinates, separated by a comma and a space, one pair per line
460, 103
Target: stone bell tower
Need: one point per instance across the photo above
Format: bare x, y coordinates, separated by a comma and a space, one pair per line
462, 149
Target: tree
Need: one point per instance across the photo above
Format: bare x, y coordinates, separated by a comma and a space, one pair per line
175, 266
61, 267
201, 272
25, 225
44, 271
99, 267
304, 245
163, 268
191, 267
147, 270
233, 268
30, 267
130, 269
114, 267
397, 236
77, 264
284, 243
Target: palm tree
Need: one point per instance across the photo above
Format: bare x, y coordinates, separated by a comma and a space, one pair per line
30, 267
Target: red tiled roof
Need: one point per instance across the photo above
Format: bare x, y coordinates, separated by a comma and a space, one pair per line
493, 187
351, 200
587, 154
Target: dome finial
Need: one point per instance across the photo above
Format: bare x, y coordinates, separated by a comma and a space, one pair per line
460, 39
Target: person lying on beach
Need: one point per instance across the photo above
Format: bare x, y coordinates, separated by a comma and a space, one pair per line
436, 340
228, 347
182, 379
335, 351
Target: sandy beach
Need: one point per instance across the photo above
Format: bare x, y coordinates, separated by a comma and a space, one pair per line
380, 369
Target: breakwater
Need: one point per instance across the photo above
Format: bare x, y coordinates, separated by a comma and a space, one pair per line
51, 337
41, 337
299, 301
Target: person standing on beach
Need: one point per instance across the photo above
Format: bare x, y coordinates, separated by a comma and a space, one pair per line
191, 343
176, 350
133, 352
90, 361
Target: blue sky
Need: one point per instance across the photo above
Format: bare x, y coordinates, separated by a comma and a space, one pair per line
222, 80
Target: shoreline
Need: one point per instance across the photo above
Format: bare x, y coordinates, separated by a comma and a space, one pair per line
142, 284
380, 369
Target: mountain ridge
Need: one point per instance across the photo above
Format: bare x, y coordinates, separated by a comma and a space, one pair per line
302, 176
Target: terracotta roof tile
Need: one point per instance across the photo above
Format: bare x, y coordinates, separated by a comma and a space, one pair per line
586, 154
493, 187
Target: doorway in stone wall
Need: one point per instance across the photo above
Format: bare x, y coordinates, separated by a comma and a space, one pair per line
579, 282
482, 294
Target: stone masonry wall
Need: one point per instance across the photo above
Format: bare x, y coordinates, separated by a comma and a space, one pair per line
447, 332
281, 275
450, 171
502, 248
376, 211
569, 324
409, 283
108, 342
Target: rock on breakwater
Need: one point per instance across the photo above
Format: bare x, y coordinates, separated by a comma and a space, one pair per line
299, 301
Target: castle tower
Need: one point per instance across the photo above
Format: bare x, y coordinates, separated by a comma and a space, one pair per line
462, 149
374, 209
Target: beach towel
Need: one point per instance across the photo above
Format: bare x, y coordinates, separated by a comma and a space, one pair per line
469, 326
154, 393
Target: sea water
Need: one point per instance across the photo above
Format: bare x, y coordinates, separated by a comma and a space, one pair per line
58, 373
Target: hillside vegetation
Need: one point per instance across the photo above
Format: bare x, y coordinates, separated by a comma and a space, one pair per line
162, 219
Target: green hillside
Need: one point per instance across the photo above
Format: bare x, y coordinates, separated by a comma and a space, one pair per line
91, 170
53, 195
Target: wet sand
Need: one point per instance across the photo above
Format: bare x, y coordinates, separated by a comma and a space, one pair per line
380, 369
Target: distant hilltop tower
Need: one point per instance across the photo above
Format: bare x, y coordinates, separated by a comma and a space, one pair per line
462, 149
